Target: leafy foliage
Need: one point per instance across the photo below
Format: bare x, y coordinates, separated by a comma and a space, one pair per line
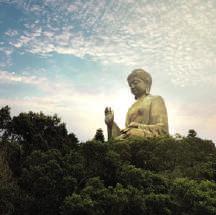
99, 136
4, 117
192, 133
52, 173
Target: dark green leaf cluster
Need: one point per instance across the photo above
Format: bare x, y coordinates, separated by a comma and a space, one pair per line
50, 172
99, 136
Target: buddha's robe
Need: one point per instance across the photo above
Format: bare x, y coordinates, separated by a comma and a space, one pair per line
150, 116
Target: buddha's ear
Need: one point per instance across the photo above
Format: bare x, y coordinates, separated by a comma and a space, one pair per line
147, 90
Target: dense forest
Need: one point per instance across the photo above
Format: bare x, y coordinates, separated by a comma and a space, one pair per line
46, 170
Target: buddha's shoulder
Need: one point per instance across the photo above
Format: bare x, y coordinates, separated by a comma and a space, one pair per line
154, 98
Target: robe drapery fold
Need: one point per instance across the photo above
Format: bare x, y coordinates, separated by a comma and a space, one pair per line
150, 113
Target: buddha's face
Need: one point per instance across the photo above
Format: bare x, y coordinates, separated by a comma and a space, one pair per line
138, 86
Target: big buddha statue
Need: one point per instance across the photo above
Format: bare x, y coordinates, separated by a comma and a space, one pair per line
147, 117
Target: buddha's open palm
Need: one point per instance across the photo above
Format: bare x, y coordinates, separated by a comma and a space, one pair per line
109, 116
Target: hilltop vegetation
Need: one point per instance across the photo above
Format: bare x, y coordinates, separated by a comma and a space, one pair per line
46, 170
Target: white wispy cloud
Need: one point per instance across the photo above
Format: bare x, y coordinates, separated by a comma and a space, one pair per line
174, 37
5, 56
7, 77
11, 33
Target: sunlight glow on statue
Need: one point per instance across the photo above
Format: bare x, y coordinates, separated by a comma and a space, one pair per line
147, 117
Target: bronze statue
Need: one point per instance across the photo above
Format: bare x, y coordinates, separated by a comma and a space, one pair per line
147, 117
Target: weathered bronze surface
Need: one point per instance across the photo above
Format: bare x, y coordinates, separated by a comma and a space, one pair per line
147, 117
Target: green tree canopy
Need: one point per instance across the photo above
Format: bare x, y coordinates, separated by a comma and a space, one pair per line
55, 174
99, 136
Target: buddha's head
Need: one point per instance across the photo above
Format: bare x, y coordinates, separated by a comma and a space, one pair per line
140, 82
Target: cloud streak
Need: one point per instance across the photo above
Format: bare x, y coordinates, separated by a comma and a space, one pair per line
174, 37
7, 77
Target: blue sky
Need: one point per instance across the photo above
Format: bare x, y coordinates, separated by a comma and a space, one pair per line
73, 57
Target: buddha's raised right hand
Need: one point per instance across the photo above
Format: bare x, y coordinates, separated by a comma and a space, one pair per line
109, 116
